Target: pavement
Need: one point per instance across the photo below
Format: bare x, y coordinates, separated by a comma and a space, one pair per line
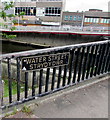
89, 100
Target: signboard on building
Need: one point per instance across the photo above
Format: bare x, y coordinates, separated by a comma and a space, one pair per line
44, 61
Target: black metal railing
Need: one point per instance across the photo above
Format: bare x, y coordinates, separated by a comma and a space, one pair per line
52, 69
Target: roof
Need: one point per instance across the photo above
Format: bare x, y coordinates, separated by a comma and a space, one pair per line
97, 13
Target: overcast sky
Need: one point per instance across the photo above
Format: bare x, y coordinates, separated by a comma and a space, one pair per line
85, 5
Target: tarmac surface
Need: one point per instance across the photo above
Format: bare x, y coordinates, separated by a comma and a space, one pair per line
89, 102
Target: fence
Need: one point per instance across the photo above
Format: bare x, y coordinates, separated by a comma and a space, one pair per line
40, 72
65, 28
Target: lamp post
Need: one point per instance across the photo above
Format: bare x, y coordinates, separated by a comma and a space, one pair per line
25, 25
18, 18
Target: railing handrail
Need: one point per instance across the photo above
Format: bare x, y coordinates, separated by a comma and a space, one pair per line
40, 51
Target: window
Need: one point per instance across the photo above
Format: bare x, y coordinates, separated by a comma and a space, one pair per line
97, 20
90, 19
70, 18
79, 18
104, 21
93, 20
75, 18
28, 10
52, 11
66, 18
86, 20
107, 21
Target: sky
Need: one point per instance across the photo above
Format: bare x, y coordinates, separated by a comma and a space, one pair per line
85, 5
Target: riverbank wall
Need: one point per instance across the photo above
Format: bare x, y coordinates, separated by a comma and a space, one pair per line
50, 39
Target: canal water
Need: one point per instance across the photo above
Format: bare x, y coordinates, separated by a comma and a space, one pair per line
11, 47
16, 46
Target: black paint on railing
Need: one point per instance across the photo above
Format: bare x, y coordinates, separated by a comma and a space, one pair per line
85, 61
9, 80
18, 79
33, 83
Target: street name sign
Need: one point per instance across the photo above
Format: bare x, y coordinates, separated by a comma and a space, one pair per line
44, 61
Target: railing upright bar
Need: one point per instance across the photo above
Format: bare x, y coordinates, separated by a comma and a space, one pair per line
100, 59
47, 79
9, 80
40, 81
97, 60
70, 66
18, 79
104, 58
59, 77
64, 76
108, 65
107, 59
86, 54
89, 62
80, 64
1, 86
76, 64
53, 78
94, 60
26, 84
33, 83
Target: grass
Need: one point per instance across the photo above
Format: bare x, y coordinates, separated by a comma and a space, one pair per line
14, 88
13, 113
26, 109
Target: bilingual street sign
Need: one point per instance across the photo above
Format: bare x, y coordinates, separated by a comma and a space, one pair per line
44, 61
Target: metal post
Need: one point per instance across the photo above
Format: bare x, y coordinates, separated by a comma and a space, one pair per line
18, 18
82, 24
1, 91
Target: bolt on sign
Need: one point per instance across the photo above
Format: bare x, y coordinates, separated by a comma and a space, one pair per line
44, 61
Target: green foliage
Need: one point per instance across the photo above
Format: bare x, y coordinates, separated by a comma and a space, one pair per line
3, 25
13, 113
13, 28
7, 6
3, 15
10, 15
22, 13
26, 109
14, 88
4, 35
14, 21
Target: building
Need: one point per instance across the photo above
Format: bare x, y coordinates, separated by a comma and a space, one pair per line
95, 17
52, 12
47, 11
72, 18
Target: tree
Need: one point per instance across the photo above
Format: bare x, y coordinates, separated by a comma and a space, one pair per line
5, 18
